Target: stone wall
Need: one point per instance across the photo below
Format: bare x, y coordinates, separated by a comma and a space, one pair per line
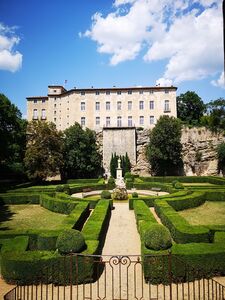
119, 141
199, 151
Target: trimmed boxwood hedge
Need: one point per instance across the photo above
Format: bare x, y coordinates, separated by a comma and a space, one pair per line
185, 179
50, 266
21, 198
57, 205
181, 231
150, 200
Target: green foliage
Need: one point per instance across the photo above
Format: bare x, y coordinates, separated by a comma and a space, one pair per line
59, 188
12, 139
81, 156
20, 198
164, 148
70, 241
221, 156
105, 195
157, 237
66, 189
96, 226
178, 185
134, 195
113, 165
128, 175
17, 244
57, 205
111, 183
43, 157
190, 108
216, 118
180, 229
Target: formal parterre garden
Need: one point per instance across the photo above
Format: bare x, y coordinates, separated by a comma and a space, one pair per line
33, 218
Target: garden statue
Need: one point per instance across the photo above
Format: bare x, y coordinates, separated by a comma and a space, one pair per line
120, 192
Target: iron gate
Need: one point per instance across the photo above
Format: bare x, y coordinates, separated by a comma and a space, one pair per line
119, 277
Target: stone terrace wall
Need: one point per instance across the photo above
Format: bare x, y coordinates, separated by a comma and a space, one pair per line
199, 151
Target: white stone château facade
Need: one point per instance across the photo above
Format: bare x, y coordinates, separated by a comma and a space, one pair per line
115, 111
104, 107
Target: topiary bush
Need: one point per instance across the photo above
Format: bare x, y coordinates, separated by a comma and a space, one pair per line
59, 188
105, 195
70, 241
179, 186
111, 183
128, 175
157, 237
134, 195
66, 189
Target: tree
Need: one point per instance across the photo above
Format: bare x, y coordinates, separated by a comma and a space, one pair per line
81, 156
12, 137
190, 108
216, 115
221, 156
164, 148
113, 164
44, 153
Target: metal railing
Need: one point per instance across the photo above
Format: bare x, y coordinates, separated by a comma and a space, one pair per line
120, 277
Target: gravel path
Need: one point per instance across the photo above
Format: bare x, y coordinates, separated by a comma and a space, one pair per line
122, 236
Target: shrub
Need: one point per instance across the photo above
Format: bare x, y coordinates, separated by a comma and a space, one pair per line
105, 195
70, 241
59, 188
179, 186
174, 182
157, 237
128, 175
111, 183
134, 195
129, 183
66, 189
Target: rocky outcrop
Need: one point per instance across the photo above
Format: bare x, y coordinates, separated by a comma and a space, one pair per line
199, 151
99, 141
142, 166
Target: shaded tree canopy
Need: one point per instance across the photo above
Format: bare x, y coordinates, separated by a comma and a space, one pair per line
215, 119
43, 157
12, 136
81, 156
164, 148
221, 157
190, 108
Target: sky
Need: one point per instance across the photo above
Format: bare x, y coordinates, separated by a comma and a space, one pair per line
105, 43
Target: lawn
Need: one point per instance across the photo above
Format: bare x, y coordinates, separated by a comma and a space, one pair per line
210, 213
29, 216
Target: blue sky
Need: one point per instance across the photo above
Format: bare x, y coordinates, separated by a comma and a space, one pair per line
106, 43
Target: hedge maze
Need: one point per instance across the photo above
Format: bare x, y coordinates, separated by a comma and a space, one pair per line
31, 256
196, 247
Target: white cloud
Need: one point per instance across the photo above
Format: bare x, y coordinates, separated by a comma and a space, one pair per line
187, 34
164, 82
10, 60
220, 82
